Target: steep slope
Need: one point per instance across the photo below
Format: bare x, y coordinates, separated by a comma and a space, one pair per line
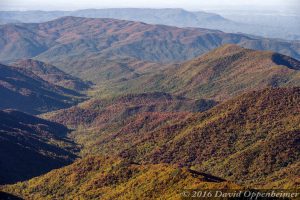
65, 41
113, 178
30, 146
23, 90
231, 70
4, 195
99, 123
251, 139
52, 74
220, 74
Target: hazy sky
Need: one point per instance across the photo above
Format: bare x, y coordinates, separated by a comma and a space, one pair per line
187, 4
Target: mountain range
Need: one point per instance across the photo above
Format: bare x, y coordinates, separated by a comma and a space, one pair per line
129, 110
72, 42
285, 29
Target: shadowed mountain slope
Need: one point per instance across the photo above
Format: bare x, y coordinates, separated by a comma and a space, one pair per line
113, 178
7, 196
23, 90
30, 146
52, 74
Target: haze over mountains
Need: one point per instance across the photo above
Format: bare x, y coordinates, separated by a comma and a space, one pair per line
272, 18
145, 110
285, 28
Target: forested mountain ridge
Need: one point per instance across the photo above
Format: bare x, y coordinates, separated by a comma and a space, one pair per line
99, 122
249, 139
65, 41
215, 141
221, 74
23, 90
175, 17
100, 177
52, 74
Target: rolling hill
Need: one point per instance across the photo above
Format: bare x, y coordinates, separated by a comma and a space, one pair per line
252, 139
30, 146
114, 178
52, 74
21, 89
249, 139
100, 122
221, 74
231, 70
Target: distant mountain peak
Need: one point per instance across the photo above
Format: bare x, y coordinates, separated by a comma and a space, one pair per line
225, 50
230, 48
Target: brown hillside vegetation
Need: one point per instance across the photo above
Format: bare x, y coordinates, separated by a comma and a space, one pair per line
248, 139
231, 70
221, 74
113, 178
51, 74
252, 139
100, 122
122, 107
129, 110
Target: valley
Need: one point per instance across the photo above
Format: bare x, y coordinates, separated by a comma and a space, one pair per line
100, 108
